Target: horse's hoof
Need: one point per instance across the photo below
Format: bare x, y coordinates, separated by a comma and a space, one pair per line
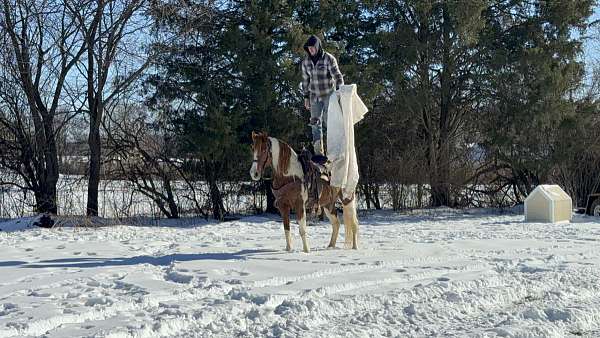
331, 247
288, 249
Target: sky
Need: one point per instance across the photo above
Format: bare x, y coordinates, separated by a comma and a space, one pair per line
592, 44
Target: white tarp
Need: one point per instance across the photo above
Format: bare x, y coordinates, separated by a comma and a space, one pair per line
345, 109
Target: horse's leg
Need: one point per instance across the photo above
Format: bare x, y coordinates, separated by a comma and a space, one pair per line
327, 201
301, 216
285, 214
351, 225
355, 224
348, 228
335, 223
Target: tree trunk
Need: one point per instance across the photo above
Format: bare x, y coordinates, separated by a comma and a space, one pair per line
45, 200
367, 192
218, 210
376, 200
95, 166
94, 99
440, 187
52, 176
171, 198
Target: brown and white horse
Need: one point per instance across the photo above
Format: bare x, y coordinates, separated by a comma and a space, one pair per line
291, 193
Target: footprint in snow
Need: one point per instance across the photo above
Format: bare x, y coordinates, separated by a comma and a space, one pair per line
168, 306
39, 294
443, 279
60, 247
176, 277
98, 301
15, 325
72, 294
233, 281
7, 308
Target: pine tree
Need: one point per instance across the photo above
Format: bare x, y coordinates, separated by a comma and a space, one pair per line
532, 75
226, 77
429, 52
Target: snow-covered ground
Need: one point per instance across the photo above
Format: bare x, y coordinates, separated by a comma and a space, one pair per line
436, 273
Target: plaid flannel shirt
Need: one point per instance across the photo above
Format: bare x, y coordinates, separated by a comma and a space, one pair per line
322, 78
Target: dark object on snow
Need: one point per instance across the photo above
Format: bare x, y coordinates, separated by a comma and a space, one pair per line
45, 221
592, 207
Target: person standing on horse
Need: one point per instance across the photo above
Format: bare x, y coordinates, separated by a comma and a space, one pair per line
321, 76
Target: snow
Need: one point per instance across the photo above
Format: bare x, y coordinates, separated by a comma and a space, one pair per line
441, 272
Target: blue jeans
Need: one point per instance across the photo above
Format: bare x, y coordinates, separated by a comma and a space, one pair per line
318, 116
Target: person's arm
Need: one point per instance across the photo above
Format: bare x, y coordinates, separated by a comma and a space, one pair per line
334, 70
305, 81
305, 84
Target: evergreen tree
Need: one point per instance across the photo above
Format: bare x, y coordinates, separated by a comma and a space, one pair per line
430, 56
224, 77
532, 75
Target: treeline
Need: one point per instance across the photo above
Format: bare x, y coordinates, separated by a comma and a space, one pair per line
466, 97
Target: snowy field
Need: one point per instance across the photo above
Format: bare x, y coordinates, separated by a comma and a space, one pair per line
436, 273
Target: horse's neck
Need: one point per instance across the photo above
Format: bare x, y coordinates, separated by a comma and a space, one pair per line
294, 169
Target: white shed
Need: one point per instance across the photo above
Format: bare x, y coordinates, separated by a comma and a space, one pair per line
548, 203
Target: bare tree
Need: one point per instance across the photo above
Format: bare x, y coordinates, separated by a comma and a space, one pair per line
140, 151
111, 64
40, 48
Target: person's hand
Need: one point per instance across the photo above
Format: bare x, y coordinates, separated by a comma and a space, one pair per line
307, 104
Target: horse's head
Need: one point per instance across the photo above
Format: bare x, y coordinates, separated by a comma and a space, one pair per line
261, 155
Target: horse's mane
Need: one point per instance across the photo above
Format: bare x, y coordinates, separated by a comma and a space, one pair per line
285, 153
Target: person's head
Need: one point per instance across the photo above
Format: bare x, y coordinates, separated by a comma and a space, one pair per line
313, 46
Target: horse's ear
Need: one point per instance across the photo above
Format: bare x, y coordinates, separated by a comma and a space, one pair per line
260, 134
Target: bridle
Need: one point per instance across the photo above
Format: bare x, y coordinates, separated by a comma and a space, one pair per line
263, 158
